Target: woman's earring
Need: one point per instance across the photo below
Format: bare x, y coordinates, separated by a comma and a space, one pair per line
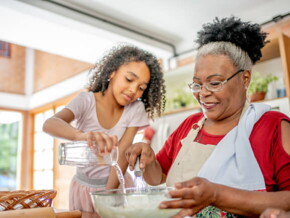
109, 80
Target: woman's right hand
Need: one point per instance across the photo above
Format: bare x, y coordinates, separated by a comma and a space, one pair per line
275, 213
104, 142
146, 153
192, 196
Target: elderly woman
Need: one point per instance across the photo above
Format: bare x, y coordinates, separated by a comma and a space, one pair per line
234, 157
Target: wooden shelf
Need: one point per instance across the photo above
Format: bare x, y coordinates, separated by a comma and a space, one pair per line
271, 50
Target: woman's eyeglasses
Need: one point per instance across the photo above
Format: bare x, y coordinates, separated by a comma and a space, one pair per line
214, 86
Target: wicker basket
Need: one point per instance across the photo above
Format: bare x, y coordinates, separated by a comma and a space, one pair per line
14, 200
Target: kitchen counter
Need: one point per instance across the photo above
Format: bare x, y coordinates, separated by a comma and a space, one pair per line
75, 214
46, 212
90, 215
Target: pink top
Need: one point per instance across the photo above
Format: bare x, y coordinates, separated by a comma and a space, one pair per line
84, 110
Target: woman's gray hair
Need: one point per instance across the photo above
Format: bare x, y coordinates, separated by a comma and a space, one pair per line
239, 57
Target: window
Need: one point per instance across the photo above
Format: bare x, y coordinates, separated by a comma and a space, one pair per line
10, 135
43, 153
43, 174
5, 49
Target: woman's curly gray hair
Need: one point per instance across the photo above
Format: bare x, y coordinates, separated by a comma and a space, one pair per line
154, 95
233, 35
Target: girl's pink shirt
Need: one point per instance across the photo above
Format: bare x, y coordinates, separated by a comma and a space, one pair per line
84, 110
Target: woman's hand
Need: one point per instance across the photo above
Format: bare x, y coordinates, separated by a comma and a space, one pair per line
104, 142
275, 213
147, 155
194, 195
152, 171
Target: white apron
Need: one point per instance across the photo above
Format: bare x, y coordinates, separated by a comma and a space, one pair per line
193, 157
237, 166
190, 158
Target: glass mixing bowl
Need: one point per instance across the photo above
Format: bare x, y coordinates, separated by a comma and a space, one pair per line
134, 203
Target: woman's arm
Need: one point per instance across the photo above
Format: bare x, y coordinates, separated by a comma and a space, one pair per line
152, 171
285, 130
250, 203
157, 177
125, 142
152, 174
198, 193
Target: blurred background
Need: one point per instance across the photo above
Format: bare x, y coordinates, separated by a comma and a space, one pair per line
48, 46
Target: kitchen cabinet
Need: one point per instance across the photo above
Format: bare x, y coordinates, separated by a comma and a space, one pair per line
279, 47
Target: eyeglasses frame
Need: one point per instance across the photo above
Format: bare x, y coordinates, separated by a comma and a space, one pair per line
223, 82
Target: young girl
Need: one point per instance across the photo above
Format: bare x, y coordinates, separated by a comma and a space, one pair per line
126, 84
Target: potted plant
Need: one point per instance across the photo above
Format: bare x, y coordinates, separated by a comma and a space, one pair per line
179, 98
259, 85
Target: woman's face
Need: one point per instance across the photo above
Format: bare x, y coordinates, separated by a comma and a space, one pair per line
230, 100
129, 82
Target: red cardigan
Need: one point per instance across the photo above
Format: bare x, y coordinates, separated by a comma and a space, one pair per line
265, 140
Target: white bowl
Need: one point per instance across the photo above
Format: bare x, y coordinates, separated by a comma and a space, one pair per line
134, 204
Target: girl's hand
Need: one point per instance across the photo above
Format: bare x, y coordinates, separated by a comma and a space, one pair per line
194, 195
275, 213
104, 142
137, 149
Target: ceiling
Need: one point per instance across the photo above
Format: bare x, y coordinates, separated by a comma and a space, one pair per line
177, 21
73, 28
85, 29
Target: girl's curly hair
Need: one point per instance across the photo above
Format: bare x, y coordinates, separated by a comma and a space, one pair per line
245, 35
153, 96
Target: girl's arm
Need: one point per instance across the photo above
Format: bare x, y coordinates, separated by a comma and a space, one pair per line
59, 126
125, 142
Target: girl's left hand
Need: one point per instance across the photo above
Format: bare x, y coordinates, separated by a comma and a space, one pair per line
194, 195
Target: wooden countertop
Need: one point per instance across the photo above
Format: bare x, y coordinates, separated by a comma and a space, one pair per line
90, 215
75, 214
46, 212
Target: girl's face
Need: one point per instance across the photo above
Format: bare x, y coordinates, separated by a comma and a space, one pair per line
129, 82
227, 102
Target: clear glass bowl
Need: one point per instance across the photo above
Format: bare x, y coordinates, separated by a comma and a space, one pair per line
135, 203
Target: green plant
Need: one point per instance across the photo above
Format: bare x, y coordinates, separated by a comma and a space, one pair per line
180, 98
259, 83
